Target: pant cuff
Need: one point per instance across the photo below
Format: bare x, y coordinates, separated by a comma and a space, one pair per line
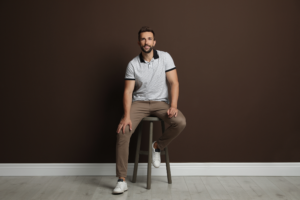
159, 146
121, 176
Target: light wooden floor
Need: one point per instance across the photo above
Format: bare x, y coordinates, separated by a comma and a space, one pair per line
182, 188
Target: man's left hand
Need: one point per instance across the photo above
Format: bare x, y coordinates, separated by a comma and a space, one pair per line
172, 112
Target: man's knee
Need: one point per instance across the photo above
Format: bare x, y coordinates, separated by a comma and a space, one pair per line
182, 123
124, 137
179, 122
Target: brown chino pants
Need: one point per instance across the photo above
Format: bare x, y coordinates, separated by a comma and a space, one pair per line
139, 110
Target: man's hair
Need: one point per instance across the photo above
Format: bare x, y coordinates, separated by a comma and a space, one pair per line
146, 29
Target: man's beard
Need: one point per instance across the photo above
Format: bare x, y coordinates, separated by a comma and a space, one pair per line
150, 49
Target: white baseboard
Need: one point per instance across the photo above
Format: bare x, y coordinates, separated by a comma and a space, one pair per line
177, 169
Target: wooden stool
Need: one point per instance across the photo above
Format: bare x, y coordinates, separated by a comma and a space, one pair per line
165, 152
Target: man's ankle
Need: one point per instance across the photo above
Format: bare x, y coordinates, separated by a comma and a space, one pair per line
122, 178
155, 145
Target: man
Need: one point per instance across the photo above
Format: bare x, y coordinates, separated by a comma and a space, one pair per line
147, 73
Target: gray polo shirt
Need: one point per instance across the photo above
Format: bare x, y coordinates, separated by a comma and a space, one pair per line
150, 77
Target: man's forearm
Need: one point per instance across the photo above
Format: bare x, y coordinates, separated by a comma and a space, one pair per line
174, 94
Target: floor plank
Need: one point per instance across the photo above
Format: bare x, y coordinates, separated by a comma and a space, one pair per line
215, 188
287, 187
233, 188
160, 189
294, 180
32, 187
12, 186
51, 188
179, 189
139, 188
197, 188
251, 188
272, 190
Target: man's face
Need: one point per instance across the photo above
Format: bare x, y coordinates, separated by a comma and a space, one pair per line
146, 42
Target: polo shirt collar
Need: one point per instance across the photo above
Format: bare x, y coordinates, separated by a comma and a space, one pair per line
155, 56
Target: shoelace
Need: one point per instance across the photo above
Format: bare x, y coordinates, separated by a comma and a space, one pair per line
157, 155
119, 185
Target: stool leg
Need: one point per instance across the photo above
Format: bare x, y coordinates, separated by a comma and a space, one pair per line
167, 156
168, 165
137, 153
150, 157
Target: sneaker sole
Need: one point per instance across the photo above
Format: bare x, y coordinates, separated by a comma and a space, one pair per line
119, 192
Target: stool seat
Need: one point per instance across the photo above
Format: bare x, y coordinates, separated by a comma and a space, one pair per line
164, 151
151, 119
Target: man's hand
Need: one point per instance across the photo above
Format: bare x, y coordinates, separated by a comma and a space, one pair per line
172, 111
123, 123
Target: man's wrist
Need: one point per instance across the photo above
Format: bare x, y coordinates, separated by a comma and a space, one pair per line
174, 106
126, 116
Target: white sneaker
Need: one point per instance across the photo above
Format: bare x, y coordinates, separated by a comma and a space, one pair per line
120, 187
155, 156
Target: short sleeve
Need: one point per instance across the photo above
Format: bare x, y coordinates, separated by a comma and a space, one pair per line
129, 74
169, 63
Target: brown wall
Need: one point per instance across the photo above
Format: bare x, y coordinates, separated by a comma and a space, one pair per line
63, 66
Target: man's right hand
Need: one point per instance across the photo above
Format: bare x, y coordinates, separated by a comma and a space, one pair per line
123, 123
